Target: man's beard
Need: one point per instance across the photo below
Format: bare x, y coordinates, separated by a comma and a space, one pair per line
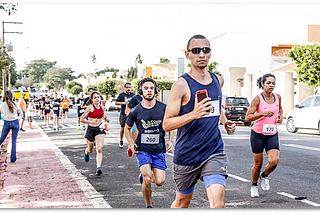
148, 98
202, 66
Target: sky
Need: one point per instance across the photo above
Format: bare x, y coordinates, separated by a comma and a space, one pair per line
70, 32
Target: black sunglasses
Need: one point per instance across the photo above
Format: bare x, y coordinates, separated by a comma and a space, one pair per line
198, 50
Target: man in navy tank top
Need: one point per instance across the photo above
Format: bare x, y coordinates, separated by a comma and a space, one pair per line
199, 151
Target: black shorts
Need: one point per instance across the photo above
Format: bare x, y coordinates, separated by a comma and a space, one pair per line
80, 112
92, 132
64, 110
261, 141
122, 120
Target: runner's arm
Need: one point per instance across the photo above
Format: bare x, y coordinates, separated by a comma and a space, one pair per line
170, 142
84, 115
251, 115
171, 120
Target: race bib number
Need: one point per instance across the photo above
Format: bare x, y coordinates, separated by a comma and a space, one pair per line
269, 128
47, 107
55, 108
81, 111
150, 138
215, 109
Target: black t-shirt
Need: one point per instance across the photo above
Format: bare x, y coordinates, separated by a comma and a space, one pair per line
46, 105
122, 98
135, 100
56, 104
149, 123
81, 102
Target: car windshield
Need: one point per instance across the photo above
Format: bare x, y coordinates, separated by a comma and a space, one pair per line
236, 101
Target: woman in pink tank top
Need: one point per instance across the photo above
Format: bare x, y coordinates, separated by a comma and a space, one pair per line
266, 111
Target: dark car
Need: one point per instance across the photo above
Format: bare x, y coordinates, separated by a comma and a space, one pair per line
236, 108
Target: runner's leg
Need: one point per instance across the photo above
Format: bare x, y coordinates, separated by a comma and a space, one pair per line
182, 200
258, 161
158, 176
146, 184
273, 159
99, 139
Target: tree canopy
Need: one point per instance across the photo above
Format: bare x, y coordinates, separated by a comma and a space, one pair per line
307, 58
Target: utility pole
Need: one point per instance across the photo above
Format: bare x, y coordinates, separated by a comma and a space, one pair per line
4, 73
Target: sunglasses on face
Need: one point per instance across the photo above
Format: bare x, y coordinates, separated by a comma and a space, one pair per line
198, 50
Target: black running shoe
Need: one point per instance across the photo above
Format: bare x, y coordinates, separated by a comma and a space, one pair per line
99, 171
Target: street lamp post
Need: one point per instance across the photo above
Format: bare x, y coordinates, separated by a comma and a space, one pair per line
4, 75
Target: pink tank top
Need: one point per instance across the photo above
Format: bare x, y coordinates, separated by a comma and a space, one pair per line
267, 125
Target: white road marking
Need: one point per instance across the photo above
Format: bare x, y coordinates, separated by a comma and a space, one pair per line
304, 200
302, 147
238, 178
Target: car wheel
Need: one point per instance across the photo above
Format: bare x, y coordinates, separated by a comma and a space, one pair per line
319, 127
290, 126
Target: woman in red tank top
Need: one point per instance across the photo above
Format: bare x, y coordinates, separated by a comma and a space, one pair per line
95, 132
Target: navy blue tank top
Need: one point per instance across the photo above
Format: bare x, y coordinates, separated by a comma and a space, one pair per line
200, 138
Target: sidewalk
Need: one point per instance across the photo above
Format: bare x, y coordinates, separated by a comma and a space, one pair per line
38, 179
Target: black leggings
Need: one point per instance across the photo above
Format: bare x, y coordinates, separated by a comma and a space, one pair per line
260, 141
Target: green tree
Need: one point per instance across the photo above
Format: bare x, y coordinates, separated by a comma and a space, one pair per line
76, 90
164, 60
307, 58
132, 73
8, 7
8, 67
38, 68
94, 86
212, 67
107, 87
71, 84
55, 77
164, 84
113, 70
138, 60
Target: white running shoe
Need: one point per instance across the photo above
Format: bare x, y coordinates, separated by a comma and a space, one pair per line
265, 183
254, 192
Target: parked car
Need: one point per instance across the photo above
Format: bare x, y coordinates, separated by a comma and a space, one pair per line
111, 104
305, 115
236, 108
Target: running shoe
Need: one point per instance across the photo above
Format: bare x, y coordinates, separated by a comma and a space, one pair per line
57, 128
129, 152
54, 128
99, 171
140, 178
254, 192
79, 127
121, 144
264, 183
22, 130
149, 207
86, 157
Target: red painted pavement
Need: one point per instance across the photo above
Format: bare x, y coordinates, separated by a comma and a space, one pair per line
37, 179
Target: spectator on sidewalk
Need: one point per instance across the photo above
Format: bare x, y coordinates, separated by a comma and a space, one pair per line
10, 110
23, 106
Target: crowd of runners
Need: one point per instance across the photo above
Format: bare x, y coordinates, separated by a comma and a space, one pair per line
194, 110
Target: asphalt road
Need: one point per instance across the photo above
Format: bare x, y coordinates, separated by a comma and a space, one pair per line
296, 175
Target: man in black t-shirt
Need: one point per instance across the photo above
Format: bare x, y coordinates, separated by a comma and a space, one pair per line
81, 108
123, 100
56, 104
150, 144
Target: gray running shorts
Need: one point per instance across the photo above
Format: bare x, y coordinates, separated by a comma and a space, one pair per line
185, 177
